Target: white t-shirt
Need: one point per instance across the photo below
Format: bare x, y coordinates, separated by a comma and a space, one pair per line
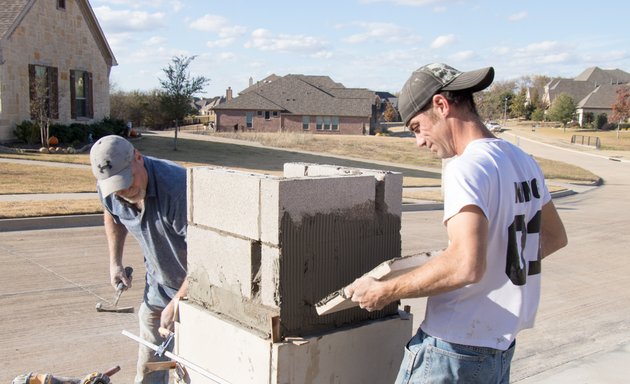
508, 186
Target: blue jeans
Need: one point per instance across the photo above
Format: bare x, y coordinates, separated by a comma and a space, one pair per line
431, 360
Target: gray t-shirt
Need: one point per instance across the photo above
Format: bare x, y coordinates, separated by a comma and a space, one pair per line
160, 229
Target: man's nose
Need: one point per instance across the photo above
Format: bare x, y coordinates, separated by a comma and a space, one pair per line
420, 141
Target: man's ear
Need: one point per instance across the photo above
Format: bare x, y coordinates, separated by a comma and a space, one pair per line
441, 104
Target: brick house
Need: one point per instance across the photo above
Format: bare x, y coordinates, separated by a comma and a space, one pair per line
60, 44
299, 103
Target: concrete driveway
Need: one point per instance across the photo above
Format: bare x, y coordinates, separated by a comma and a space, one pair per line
52, 280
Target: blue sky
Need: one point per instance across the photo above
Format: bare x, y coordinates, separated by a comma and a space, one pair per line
373, 44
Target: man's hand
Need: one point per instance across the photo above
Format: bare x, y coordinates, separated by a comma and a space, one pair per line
167, 318
368, 292
117, 274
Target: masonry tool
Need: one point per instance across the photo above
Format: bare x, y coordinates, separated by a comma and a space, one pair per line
120, 288
178, 359
47, 378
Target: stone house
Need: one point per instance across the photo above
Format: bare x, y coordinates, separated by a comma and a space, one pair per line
299, 103
59, 46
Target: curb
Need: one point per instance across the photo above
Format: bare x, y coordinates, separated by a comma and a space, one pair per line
50, 222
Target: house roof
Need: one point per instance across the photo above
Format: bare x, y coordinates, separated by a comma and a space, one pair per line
598, 76
304, 95
603, 97
12, 12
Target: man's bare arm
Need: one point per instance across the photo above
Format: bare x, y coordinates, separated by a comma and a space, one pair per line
552, 234
116, 235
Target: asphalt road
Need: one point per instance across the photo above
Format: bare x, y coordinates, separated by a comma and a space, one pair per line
52, 279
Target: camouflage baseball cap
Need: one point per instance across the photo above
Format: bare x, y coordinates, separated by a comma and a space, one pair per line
430, 79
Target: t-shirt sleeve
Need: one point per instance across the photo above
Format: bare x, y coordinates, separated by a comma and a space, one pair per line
464, 183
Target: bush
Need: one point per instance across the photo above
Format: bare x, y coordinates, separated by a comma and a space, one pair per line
601, 120
28, 132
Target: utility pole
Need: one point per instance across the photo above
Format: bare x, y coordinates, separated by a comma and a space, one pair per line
505, 110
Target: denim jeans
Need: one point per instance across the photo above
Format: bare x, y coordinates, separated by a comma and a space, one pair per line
149, 325
431, 360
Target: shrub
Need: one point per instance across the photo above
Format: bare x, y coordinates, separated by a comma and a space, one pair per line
28, 132
601, 120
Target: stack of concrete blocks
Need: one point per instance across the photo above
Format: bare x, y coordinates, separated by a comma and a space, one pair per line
262, 250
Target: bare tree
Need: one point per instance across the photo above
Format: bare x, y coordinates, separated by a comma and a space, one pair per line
43, 98
179, 89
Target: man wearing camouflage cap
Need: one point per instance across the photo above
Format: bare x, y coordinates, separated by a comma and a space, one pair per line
485, 286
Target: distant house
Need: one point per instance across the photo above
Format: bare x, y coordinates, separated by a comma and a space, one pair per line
593, 91
299, 103
57, 43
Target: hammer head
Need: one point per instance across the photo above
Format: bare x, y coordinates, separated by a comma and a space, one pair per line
103, 308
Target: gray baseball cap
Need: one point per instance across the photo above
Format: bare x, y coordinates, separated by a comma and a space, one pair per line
430, 79
111, 157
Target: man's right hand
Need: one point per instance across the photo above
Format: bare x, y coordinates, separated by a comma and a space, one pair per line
117, 274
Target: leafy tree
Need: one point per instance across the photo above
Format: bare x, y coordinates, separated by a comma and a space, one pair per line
621, 107
562, 109
178, 90
538, 114
519, 106
390, 113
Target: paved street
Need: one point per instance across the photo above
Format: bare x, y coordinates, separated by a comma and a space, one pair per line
52, 280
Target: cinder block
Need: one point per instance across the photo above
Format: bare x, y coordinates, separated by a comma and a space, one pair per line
226, 350
369, 353
300, 197
222, 260
270, 276
226, 200
388, 187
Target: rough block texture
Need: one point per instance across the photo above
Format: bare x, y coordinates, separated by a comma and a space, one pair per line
370, 353
226, 200
220, 260
388, 184
304, 197
262, 246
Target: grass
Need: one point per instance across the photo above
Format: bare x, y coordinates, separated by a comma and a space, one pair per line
420, 168
610, 140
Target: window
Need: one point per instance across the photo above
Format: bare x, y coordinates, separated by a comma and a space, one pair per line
259, 113
250, 119
61, 4
319, 122
267, 115
327, 123
81, 94
43, 91
275, 114
306, 121
335, 123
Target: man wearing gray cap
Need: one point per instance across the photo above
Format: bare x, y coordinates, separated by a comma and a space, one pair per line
146, 197
485, 286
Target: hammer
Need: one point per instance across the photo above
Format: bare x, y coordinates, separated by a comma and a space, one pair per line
120, 287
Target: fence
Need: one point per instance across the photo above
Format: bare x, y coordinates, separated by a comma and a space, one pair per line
590, 141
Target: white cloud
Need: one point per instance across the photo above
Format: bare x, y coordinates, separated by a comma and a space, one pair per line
118, 21
210, 23
518, 16
382, 32
264, 40
442, 41
221, 43
463, 55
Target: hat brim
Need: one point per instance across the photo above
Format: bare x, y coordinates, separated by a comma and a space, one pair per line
473, 81
121, 180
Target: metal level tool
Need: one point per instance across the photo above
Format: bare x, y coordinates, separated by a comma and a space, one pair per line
174, 357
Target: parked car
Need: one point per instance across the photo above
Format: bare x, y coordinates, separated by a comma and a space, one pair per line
493, 126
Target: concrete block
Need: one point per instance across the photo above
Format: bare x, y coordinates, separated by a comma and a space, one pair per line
300, 197
369, 353
224, 349
226, 200
270, 276
389, 184
221, 260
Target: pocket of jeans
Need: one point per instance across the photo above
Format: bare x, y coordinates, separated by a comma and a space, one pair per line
409, 362
462, 366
